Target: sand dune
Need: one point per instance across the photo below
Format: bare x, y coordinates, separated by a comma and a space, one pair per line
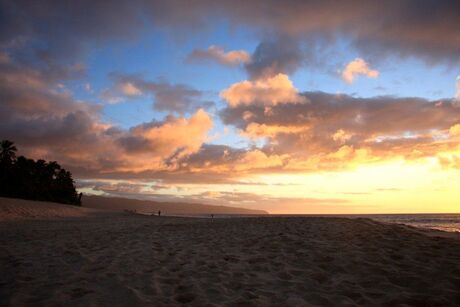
269, 261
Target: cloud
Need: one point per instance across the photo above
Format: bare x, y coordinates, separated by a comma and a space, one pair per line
129, 89
255, 130
173, 136
269, 92
334, 131
178, 98
147, 147
26, 91
455, 130
257, 159
422, 28
358, 67
273, 57
328, 132
341, 136
224, 163
4, 58
216, 53
111, 97
46, 122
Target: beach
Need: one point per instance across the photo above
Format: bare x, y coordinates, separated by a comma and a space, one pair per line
87, 257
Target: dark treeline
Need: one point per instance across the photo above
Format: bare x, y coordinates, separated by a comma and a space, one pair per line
37, 180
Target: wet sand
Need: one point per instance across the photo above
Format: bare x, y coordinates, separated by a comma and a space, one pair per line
127, 260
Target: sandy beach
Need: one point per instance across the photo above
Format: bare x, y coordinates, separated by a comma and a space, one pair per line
82, 257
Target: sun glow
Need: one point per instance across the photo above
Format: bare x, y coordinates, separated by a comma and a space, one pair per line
392, 187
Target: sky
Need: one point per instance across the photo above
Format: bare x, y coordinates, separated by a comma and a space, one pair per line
286, 106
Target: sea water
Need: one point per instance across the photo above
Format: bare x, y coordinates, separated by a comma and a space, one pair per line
445, 222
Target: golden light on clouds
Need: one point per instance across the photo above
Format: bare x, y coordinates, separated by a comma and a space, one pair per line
358, 67
216, 53
266, 91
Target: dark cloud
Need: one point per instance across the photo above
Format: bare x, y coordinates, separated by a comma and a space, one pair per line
35, 112
408, 28
178, 98
425, 28
58, 30
215, 154
273, 57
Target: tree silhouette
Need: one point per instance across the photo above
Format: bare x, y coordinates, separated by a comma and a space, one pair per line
38, 180
8, 151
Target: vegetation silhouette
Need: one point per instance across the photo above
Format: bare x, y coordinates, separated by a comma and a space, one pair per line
36, 180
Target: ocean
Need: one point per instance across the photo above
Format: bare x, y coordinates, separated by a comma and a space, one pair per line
445, 222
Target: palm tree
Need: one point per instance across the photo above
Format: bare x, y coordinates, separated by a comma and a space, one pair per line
8, 151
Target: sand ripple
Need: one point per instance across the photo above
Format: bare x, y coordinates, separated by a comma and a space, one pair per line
128, 261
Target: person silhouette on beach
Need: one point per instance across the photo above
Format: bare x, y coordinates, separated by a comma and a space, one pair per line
159, 213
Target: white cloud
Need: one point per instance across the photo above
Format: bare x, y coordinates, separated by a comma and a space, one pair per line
130, 89
358, 67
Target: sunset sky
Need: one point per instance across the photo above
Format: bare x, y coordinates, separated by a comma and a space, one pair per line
286, 106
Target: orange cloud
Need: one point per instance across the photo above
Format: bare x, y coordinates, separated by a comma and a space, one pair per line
216, 53
174, 133
341, 136
255, 159
155, 146
269, 92
358, 67
455, 130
